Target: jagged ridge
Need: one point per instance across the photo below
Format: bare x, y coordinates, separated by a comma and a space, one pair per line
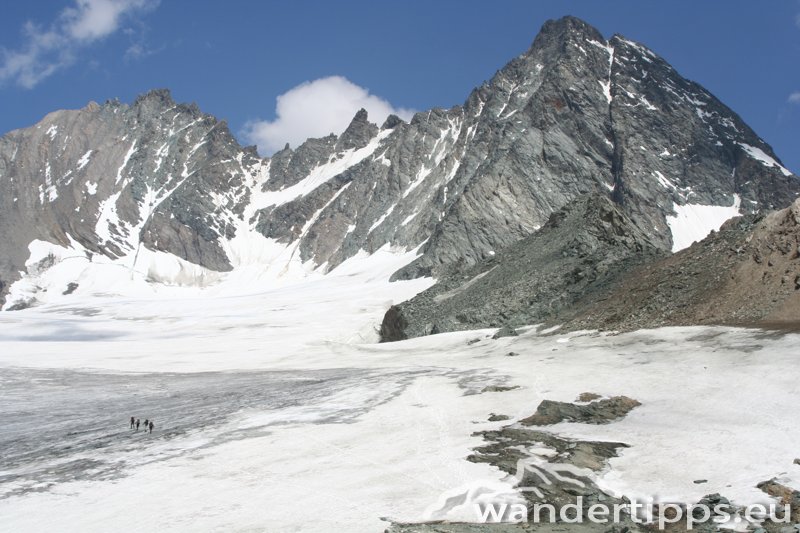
575, 114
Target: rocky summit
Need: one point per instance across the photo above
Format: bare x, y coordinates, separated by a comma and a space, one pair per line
574, 116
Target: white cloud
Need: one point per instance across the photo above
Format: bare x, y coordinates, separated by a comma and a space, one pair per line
794, 98
94, 19
47, 50
315, 109
137, 51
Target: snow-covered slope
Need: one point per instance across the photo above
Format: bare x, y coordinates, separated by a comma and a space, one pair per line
272, 413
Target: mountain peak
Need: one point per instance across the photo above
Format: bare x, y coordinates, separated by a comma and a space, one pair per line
359, 132
567, 22
155, 97
360, 116
566, 28
575, 115
391, 122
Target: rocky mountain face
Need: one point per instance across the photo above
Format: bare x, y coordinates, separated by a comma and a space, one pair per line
574, 115
113, 178
590, 267
584, 248
746, 274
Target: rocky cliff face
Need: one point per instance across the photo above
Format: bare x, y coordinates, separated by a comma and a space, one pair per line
746, 274
583, 249
590, 267
113, 178
575, 114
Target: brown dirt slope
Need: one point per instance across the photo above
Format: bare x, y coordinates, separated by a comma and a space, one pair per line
746, 274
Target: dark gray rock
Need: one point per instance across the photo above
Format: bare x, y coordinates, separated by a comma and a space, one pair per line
499, 388
582, 249
391, 122
358, 133
505, 331
597, 412
71, 287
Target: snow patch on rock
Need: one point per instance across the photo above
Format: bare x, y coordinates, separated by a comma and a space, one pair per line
693, 222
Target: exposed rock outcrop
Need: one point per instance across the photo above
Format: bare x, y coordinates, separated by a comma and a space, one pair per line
583, 248
746, 274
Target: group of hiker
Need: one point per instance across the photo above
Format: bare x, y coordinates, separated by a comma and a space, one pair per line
148, 424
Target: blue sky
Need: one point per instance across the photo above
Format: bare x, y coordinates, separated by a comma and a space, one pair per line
234, 58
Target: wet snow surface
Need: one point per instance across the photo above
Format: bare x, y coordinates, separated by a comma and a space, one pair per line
276, 410
64, 425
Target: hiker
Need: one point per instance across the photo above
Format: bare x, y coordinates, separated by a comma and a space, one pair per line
145, 424
132, 422
151, 426
137, 424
